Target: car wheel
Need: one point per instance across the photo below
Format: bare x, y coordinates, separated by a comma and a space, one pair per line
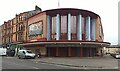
19, 57
25, 57
33, 57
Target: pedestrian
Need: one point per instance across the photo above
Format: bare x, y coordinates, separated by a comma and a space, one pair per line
101, 53
39, 55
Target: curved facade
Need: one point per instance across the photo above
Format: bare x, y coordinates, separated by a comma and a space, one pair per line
65, 32
73, 24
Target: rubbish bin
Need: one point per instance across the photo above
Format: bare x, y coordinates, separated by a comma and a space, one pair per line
10, 53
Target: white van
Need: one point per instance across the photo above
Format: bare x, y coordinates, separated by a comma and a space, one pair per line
3, 51
26, 54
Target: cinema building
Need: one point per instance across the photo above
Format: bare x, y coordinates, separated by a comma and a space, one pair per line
65, 32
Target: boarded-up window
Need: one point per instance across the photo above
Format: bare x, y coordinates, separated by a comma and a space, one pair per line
73, 28
53, 25
63, 34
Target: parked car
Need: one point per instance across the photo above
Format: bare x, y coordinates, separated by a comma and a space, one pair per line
3, 51
26, 54
116, 55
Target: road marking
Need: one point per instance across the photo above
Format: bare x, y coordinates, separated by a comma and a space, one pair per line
116, 67
72, 67
64, 66
36, 62
61, 65
35, 68
8, 57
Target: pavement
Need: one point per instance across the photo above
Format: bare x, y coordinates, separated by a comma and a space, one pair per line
105, 62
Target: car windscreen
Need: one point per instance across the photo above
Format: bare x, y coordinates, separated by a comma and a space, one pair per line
29, 51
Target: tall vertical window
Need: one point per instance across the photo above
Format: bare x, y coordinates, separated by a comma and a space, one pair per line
101, 32
53, 35
92, 29
73, 28
63, 34
83, 28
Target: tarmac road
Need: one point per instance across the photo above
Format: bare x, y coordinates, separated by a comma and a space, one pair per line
106, 62
15, 63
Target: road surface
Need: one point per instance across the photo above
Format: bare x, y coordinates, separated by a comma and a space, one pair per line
15, 63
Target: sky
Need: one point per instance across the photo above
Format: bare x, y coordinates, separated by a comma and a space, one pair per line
106, 9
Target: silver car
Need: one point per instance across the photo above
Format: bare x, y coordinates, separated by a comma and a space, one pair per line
26, 54
117, 56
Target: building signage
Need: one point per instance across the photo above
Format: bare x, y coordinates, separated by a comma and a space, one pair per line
36, 28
